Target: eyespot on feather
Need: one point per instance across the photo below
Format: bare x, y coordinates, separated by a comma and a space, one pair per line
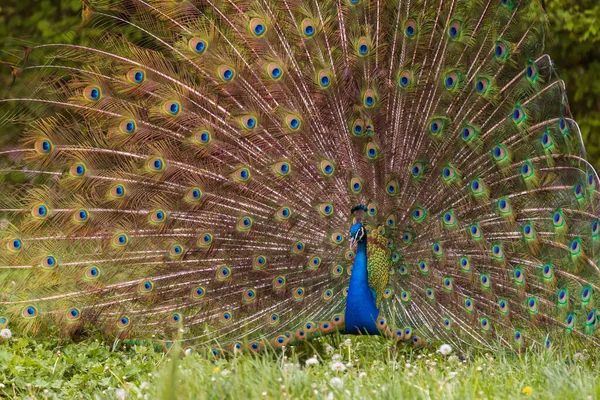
145, 287
404, 79
78, 170
292, 122
171, 108
43, 146
73, 314
117, 191
436, 127
391, 187
369, 98
202, 137
249, 295
314, 263
155, 164
363, 47
501, 50
259, 262
337, 238
136, 76
204, 240
176, 250
326, 209
198, 292
279, 282
127, 126
323, 79
282, 169
298, 294
410, 28
223, 273
226, 73
482, 85
355, 185
283, 213
248, 123
92, 93
120, 240
157, 217
193, 195
372, 151
326, 167
308, 28
274, 71
298, 247
257, 27
244, 224
81, 216
241, 175
123, 322
337, 271
92, 273
357, 128
49, 263
15, 245
40, 211
29, 312
451, 81
455, 30
198, 45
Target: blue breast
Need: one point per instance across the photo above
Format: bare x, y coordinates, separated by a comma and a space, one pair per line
361, 312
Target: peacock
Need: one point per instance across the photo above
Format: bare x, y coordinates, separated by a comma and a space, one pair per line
236, 175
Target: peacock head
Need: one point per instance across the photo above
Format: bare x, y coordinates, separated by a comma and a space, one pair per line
358, 233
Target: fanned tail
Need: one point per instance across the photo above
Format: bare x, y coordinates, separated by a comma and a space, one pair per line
195, 169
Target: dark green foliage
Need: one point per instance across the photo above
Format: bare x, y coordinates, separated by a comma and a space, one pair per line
574, 47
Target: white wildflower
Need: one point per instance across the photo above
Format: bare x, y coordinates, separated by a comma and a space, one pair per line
363, 374
264, 393
2, 386
347, 342
410, 374
289, 367
144, 385
312, 361
578, 356
453, 358
336, 383
5, 333
329, 349
336, 357
337, 366
225, 372
445, 349
120, 394
407, 365
452, 374
480, 368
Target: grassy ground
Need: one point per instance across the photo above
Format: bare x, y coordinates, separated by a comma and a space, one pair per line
337, 369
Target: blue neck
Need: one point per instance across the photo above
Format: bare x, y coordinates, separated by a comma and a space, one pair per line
361, 311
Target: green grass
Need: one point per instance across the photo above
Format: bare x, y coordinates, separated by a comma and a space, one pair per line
372, 368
